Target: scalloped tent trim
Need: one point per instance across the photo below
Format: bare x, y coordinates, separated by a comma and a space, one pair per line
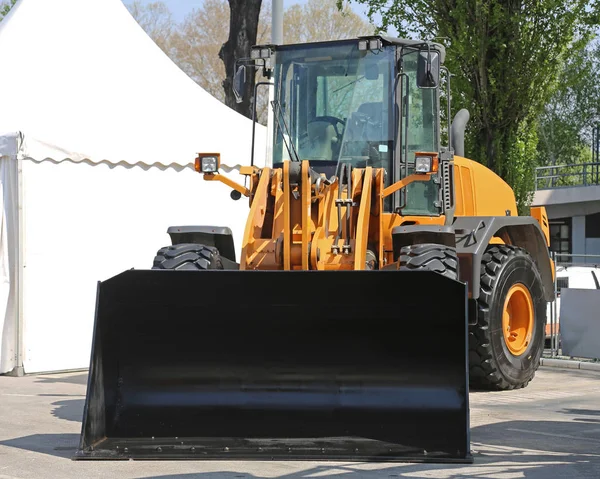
81, 93
12, 145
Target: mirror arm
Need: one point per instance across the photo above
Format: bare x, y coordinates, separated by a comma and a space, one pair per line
404, 182
449, 119
256, 85
428, 61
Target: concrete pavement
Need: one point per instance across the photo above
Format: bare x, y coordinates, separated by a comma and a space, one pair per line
550, 429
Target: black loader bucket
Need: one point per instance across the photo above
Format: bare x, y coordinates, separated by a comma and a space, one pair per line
354, 365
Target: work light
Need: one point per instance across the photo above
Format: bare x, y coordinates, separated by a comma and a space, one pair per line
423, 164
372, 43
207, 163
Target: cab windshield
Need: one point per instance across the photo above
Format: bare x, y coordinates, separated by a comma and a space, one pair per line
336, 103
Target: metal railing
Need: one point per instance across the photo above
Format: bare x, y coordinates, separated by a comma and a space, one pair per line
561, 176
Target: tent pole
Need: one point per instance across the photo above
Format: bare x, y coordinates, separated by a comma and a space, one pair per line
19, 369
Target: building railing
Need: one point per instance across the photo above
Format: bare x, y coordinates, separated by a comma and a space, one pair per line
561, 176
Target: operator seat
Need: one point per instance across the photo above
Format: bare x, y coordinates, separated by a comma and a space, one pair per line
375, 121
366, 123
320, 142
366, 130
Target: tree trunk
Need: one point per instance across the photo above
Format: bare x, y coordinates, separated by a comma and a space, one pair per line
243, 28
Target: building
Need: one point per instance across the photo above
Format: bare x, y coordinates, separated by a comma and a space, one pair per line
571, 195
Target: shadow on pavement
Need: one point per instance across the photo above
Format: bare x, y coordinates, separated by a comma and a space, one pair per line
500, 451
582, 412
525, 449
78, 378
61, 445
69, 409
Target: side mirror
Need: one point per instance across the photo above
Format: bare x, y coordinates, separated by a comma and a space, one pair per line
428, 69
239, 83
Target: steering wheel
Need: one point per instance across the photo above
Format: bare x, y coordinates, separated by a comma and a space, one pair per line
333, 120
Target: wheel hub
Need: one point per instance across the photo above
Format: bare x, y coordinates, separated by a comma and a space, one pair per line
517, 319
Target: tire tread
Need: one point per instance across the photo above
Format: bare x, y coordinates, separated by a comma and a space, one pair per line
429, 257
188, 256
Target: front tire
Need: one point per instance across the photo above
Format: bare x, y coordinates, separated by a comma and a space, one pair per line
507, 342
187, 256
429, 257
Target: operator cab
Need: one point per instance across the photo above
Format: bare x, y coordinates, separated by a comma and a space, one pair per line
360, 102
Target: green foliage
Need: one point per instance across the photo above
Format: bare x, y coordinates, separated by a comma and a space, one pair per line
566, 124
5, 8
506, 58
521, 155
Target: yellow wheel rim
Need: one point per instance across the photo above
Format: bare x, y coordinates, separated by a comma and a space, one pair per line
517, 319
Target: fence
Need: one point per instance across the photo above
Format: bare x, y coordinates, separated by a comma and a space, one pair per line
559, 176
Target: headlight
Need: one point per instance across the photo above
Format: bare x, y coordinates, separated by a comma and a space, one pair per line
423, 164
207, 163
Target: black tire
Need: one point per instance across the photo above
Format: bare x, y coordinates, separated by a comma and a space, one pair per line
492, 365
188, 257
430, 257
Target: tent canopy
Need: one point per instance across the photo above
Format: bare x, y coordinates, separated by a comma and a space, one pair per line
82, 80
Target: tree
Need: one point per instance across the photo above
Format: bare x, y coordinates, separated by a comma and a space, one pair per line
156, 20
565, 125
195, 43
506, 58
243, 30
5, 8
320, 20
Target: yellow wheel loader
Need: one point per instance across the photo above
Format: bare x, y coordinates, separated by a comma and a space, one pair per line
380, 274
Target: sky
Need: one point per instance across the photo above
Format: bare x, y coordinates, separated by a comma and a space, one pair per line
180, 8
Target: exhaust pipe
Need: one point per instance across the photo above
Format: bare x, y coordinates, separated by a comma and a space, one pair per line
458, 131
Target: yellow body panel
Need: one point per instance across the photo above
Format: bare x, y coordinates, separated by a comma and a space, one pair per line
481, 192
539, 213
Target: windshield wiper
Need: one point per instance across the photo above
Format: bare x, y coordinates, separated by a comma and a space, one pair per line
276, 105
348, 84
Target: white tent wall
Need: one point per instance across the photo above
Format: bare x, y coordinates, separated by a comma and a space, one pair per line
86, 223
103, 165
9, 324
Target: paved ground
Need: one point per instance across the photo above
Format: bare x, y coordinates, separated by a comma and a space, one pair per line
549, 430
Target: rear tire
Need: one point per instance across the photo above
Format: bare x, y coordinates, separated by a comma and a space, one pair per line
186, 256
429, 257
498, 358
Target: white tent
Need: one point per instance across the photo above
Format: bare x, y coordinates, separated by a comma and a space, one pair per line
96, 162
